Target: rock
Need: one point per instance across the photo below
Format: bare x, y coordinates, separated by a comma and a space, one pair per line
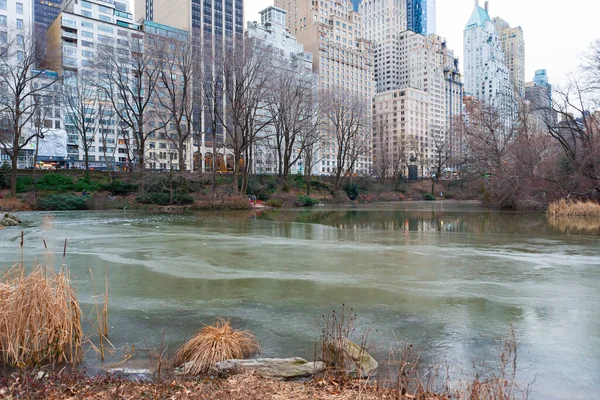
11, 222
132, 374
3, 222
273, 368
358, 363
362, 359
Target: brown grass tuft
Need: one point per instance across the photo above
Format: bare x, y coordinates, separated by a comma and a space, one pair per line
13, 204
568, 208
215, 343
40, 318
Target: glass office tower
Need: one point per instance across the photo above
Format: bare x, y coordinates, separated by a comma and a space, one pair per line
421, 16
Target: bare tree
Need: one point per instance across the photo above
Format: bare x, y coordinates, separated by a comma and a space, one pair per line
296, 117
246, 78
105, 115
440, 159
81, 108
345, 117
20, 83
178, 63
383, 149
129, 76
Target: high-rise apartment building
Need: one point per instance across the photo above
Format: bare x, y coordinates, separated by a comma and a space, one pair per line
421, 16
78, 32
418, 85
487, 77
538, 93
44, 14
333, 32
287, 54
513, 45
218, 24
384, 21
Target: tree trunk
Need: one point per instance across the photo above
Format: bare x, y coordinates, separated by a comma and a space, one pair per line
182, 158
86, 159
13, 174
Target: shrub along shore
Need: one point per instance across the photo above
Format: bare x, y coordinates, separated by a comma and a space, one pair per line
74, 190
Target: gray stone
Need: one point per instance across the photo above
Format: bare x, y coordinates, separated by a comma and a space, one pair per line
11, 222
133, 374
357, 362
273, 368
362, 360
4, 222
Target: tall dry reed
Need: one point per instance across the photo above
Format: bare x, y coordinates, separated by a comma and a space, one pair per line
212, 344
573, 208
40, 318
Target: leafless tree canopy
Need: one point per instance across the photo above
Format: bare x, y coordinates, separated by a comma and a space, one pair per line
346, 119
21, 87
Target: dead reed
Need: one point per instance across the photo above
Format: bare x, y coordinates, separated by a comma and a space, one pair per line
212, 344
40, 318
573, 208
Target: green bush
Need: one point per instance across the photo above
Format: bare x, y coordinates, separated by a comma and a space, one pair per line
164, 199
62, 202
351, 190
306, 201
55, 183
86, 185
24, 184
120, 188
275, 203
4, 175
428, 197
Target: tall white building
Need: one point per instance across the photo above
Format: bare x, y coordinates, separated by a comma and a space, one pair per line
78, 32
384, 21
418, 85
286, 53
486, 75
513, 45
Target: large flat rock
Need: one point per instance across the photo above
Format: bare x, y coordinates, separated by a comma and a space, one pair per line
273, 368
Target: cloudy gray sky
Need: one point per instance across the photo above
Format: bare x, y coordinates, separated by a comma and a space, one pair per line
556, 32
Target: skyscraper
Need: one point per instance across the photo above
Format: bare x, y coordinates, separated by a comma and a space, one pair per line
418, 88
44, 13
421, 16
343, 59
356, 4
486, 74
539, 95
513, 45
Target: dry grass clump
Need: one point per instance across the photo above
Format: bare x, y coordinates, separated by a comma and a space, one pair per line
13, 204
568, 208
215, 343
40, 318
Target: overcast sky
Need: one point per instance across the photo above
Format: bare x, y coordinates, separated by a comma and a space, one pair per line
556, 32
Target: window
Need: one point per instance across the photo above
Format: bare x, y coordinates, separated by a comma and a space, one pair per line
105, 18
2, 20
106, 29
87, 34
20, 40
87, 24
20, 24
87, 53
20, 55
86, 4
3, 4
3, 37
87, 44
19, 8
86, 13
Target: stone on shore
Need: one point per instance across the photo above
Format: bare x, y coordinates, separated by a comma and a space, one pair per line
9, 220
357, 362
272, 368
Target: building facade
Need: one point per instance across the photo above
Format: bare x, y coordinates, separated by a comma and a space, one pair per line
342, 58
286, 53
44, 14
486, 76
513, 45
79, 31
421, 16
383, 23
538, 94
